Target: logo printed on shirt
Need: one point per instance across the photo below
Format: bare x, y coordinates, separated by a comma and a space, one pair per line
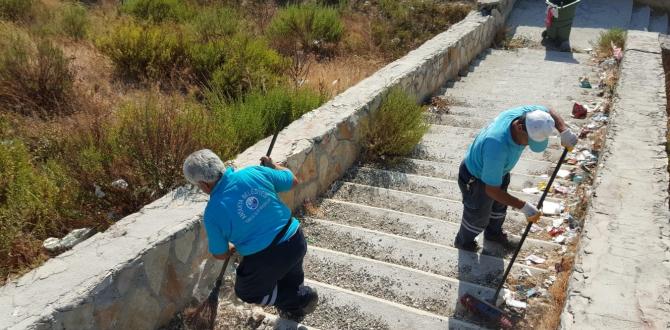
252, 203
249, 205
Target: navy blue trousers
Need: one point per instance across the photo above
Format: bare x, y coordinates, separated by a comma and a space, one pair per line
480, 212
274, 276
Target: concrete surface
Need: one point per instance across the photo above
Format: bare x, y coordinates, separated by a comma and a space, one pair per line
593, 17
622, 276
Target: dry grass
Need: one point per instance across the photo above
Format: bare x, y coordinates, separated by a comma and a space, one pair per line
340, 73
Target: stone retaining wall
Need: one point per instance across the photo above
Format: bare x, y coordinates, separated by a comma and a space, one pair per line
151, 264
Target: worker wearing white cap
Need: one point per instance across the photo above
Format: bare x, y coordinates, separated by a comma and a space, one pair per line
484, 174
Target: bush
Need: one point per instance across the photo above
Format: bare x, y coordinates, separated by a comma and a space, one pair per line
73, 21
405, 24
205, 58
35, 201
156, 10
212, 23
248, 64
259, 114
151, 139
16, 10
309, 27
139, 51
34, 79
395, 128
605, 40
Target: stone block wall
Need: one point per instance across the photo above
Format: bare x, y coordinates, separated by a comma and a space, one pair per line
153, 263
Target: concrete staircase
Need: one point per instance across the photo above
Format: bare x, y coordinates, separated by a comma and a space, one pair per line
381, 251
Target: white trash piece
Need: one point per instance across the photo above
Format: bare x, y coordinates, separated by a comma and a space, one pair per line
535, 259
551, 208
563, 174
531, 191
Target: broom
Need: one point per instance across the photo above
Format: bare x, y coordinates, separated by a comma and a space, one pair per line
204, 316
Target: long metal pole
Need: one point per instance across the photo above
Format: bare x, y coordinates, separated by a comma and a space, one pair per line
525, 233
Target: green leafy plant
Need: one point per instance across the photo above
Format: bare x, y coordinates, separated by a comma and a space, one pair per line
310, 27
248, 64
141, 51
74, 21
607, 38
214, 23
35, 79
259, 114
36, 200
157, 10
395, 128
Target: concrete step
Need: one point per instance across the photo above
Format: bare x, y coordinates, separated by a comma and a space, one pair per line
414, 226
344, 309
428, 206
434, 258
407, 286
659, 23
436, 149
640, 18
457, 121
449, 171
424, 185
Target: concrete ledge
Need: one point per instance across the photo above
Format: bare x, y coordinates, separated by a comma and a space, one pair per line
622, 275
151, 264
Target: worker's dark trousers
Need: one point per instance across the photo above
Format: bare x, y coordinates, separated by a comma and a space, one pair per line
480, 212
274, 276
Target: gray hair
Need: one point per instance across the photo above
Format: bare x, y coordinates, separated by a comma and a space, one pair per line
203, 165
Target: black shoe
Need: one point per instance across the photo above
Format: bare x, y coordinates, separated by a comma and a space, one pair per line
504, 240
309, 307
469, 246
312, 302
296, 316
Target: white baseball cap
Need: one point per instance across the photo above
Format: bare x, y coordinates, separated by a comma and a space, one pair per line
540, 126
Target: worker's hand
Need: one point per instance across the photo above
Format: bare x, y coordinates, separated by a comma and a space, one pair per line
531, 212
568, 139
267, 162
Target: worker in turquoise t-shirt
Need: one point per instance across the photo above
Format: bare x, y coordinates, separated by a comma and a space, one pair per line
484, 174
245, 214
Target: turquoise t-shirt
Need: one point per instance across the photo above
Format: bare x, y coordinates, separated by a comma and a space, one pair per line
244, 209
494, 153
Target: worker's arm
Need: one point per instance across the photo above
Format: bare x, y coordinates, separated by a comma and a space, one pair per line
558, 120
529, 210
227, 254
267, 162
504, 197
568, 138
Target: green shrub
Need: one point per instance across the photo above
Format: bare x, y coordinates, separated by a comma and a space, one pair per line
151, 138
205, 58
395, 128
34, 78
73, 21
16, 10
405, 24
310, 27
605, 40
259, 114
212, 23
156, 10
140, 51
35, 201
248, 64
